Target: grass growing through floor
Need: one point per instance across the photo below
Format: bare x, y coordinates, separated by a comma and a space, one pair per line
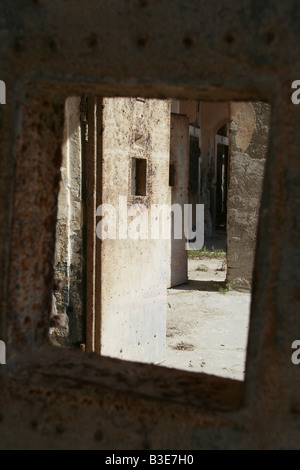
202, 268
223, 289
205, 253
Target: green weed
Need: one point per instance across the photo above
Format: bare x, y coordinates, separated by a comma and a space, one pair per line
223, 289
202, 268
205, 253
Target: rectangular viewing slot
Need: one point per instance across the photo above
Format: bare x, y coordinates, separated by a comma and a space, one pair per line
138, 176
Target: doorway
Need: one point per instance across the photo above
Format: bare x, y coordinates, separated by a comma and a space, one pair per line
221, 186
120, 158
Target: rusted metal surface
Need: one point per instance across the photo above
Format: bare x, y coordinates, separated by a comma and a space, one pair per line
37, 163
235, 50
130, 405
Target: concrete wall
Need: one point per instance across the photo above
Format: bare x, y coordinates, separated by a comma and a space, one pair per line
189, 108
133, 283
249, 131
179, 158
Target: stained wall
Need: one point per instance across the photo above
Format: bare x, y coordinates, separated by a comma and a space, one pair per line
249, 131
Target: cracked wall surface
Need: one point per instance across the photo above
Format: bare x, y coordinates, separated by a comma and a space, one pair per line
249, 131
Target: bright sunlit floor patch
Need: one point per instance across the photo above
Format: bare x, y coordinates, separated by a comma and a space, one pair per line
207, 323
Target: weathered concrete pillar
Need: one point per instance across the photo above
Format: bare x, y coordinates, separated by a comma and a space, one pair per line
248, 147
179, 187
131, 318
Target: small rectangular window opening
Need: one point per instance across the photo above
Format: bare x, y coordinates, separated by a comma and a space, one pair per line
138, 176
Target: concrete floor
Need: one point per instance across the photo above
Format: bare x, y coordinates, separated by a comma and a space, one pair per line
207, 330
